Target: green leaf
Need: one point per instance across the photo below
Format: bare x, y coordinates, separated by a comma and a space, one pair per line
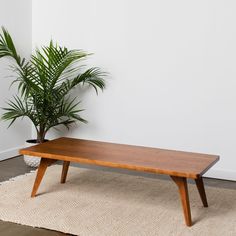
45, 83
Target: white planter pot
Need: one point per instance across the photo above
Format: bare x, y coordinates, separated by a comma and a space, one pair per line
31, 160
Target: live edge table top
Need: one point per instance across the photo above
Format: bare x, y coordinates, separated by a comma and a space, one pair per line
155, 160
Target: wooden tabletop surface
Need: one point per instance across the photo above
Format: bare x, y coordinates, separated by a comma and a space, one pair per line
177, 163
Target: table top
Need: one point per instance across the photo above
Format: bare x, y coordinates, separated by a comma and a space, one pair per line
155, 160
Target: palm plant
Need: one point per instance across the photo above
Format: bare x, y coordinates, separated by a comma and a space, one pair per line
45, 82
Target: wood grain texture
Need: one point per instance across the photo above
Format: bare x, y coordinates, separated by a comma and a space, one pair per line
201, 190
44, 163
178, 164
155, 160
64, 172
181, 182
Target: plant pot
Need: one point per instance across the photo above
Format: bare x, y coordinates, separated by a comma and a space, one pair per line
31, 160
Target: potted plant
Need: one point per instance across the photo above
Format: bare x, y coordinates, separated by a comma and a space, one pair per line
44, 84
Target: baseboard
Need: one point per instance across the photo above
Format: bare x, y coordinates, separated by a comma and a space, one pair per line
9, 153
221, 174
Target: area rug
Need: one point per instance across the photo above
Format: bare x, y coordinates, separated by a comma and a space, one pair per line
98, 203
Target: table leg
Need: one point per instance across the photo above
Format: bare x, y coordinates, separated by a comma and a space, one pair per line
44, 163
181, 182
64, 171
201, 190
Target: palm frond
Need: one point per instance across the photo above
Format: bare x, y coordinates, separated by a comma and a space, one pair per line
45, 82
17, 109
66, 113
54, 63
7, 47
93, 77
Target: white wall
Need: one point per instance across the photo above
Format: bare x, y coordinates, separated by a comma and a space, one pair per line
15, 16
172, 66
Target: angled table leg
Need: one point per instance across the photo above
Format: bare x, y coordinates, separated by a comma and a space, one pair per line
181, 182
201, 190
44, 163
64, 171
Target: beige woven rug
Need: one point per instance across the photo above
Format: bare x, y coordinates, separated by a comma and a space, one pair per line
98, 203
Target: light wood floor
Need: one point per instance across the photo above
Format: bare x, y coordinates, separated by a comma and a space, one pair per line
16, 166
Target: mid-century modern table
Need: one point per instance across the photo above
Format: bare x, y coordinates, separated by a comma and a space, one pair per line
177, 164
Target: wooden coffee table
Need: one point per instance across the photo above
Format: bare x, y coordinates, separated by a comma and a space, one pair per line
177, 164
